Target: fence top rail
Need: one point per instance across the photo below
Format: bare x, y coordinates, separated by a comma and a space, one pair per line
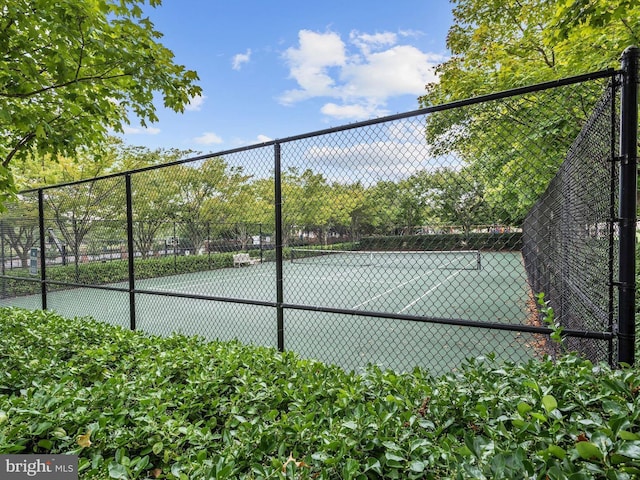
608, 73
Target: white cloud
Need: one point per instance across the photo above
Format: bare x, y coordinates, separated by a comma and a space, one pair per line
406, 132
367, 42
368, 162
393, 151
240, 59
243, 142
351, 112
399, 70
309, 64
411, 33
208, 138
361, 76
195, 103
140, 130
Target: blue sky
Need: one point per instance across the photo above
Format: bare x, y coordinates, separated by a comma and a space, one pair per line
273, 69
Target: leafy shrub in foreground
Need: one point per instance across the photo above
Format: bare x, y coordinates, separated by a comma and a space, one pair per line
137, 406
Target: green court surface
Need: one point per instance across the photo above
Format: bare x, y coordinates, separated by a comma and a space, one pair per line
497, 293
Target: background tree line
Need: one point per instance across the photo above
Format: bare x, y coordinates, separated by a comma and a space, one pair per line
213, 199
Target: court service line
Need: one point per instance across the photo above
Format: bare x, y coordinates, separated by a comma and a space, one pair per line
387, 291
435, 287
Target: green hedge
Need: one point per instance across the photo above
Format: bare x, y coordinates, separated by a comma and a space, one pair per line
449, 241
100, 273
137, 407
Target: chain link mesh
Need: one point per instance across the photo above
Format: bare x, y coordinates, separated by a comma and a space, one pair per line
417, 240
569, 236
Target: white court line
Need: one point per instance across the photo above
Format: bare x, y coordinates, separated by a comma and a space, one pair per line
435, 287
388, 291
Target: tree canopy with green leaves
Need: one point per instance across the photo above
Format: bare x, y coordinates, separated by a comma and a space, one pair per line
501, 44
72, 70
498, 45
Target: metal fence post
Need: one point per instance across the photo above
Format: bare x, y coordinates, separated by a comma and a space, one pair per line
131, 256
627, 208
279, 270
76, 247
174, 242
209, 243
43, 253
4, 283
260, 241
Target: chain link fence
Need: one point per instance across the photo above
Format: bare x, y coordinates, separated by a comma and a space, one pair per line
419, 239
569, 244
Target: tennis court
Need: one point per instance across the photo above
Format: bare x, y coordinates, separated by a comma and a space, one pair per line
487, 287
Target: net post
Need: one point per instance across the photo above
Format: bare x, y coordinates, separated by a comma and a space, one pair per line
627, 206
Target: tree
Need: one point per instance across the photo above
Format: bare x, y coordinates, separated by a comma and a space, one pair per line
262, 209
153, 196
72, 70
502, 44
36, 170
402, 205
346, 208
154, 193
610, 27
456, 197
132, 157
73, 211
243, 211
313, 204
203, 197
383, 199
89, 214
77, 209
19, 229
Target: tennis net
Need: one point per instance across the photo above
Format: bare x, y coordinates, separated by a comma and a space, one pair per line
428, 259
